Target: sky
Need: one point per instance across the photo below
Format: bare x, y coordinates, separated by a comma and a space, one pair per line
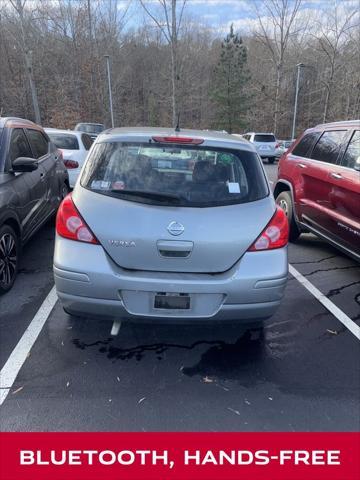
220, 14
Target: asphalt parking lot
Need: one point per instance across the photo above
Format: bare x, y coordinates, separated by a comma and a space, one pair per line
301, 374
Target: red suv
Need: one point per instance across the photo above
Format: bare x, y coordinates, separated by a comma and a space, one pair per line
318, 185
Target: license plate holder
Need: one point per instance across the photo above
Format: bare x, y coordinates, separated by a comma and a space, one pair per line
172, 301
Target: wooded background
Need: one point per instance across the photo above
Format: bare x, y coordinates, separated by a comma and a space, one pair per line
53, 70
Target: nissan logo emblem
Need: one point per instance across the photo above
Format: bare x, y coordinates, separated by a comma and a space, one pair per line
175, 228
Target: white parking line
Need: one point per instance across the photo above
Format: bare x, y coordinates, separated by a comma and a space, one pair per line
329, 305
18, 356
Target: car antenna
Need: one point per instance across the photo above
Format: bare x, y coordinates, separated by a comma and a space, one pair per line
177, 128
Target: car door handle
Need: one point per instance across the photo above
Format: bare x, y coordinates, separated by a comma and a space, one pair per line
336, 175
301, 165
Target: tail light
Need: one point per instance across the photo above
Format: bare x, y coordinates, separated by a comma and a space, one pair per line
277, 145
70, 224
69, 164
181, 140
274, 235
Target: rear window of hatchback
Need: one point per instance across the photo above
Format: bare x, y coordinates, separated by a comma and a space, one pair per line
174, 176
264, 138
64, 141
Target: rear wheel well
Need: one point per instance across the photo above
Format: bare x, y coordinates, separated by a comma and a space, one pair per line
281, 187
11, 222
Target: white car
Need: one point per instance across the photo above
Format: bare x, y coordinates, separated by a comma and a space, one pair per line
74, 147
283, 146
265, 143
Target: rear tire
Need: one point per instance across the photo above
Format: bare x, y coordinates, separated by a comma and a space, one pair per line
285, 202
9, 258
271, 160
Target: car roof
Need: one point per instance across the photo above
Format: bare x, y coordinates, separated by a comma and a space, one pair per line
259, 133
77, 133
148, 132
89, 123
344, 123
334, 125
13, 122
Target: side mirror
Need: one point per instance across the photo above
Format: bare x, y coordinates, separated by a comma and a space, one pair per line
24, 164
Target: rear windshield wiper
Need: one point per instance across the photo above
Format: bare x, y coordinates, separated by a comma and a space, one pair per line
149, 194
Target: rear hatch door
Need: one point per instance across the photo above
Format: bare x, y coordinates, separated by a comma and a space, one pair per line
173, 239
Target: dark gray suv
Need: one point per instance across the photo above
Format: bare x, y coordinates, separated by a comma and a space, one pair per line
33, 181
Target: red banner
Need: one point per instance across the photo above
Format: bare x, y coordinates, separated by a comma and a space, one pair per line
179, 456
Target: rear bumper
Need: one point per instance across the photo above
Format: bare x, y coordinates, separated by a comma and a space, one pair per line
267, 153
100, 309
89, 283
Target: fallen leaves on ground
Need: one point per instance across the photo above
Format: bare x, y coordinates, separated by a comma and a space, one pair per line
333, 332
233, 410
207, 379
17, 390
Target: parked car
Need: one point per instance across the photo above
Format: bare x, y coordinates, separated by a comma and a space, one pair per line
141, 240
265, 144
93, 129
282, 146
318, 185
74, 146
33, 181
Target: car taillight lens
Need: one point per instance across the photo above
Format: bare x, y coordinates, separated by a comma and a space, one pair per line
70, 224
274, 235
71, 164
277, 145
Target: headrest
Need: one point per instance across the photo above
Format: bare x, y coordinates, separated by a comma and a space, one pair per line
203, 172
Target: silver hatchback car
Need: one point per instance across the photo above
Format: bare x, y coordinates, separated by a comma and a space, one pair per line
171, 226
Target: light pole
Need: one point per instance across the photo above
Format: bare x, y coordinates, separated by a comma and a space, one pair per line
299, 65
109, 86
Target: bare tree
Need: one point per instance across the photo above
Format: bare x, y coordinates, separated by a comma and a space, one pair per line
19, 6
330, 38
275, 31
170, 29
71, 79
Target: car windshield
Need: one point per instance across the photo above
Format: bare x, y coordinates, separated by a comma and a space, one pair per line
64, 141
172, 175
90, 127
264, 137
